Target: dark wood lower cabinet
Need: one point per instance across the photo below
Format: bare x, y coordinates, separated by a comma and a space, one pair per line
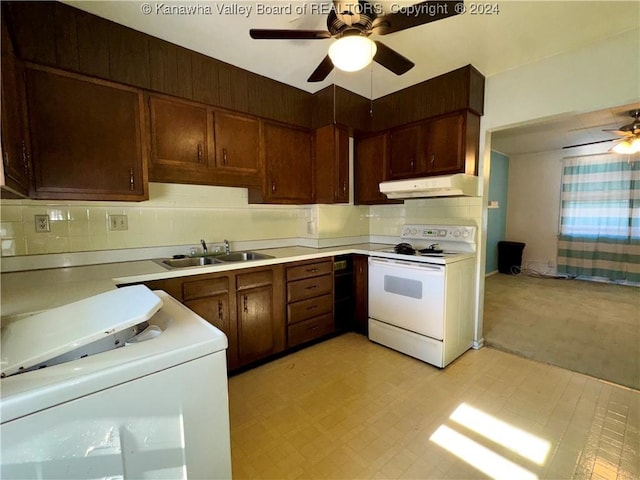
309, 301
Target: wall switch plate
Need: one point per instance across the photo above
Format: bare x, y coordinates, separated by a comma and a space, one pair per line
42, 223
118, 222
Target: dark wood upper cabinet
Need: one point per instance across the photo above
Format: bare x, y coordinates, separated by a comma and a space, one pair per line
443, 145
86, 137
181, 141
447, 144
332, 164
170, 69
194, 143
237, 149
405, 158
370, 168
288, 163
14, 144
128, 56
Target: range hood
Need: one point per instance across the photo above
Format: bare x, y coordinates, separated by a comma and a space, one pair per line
456, 185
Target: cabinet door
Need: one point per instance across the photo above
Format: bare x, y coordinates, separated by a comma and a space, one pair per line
237, 149
443, 145
361, 292
180, 150
86, 138
370, 166
332, 164
255, 326
288, 164
216, 310
404, 157
14, 146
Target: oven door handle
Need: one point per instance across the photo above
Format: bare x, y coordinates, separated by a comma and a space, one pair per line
405, 264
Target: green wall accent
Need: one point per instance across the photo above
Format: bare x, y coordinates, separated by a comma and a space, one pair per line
497, 220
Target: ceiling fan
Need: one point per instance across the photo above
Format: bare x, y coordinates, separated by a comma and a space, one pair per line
630, 133
351, 22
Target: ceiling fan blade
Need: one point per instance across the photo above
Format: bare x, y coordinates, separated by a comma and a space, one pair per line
272, 34
590, 143
418, 14
392, 60
623, 133
322, 70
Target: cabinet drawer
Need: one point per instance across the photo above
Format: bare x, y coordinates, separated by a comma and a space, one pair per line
308, 288
298, 311
311, 329
254, 279
204, 288
309, 270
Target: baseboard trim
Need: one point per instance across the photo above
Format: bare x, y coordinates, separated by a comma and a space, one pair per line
490, 274
478, 344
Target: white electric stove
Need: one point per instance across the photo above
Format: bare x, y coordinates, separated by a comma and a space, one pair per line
421, 292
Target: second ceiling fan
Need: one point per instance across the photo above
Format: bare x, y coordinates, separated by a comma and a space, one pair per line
351, 22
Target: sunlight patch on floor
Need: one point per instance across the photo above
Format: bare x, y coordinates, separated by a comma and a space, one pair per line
515, 439
479, 456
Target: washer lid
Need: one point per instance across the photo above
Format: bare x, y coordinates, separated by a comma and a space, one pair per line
36, 339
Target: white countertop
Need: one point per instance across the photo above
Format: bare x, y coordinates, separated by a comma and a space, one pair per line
33, 291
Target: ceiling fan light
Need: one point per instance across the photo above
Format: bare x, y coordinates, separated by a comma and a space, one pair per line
627, 146
352, 53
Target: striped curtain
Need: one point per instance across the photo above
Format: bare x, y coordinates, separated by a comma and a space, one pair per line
600, 218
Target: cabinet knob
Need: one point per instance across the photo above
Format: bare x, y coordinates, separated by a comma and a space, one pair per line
199, 153
132, 181
224, 156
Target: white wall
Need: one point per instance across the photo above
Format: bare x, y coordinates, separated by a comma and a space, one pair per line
534, 207
594, 77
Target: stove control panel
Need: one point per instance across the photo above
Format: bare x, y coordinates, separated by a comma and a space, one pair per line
451, 233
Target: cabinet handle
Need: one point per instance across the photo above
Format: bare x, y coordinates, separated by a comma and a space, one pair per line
314, 327
344, 187
219, 310
312, 307
224, 156
412, 162
244, 302
312, 287
199, 153
25, 159
433, 159
273, 186
312, 270
131, 180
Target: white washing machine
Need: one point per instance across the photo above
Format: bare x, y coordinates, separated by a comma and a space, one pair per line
129, 384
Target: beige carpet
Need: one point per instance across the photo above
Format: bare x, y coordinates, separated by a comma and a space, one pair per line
587, 327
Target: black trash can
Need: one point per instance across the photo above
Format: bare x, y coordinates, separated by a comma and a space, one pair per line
510, 257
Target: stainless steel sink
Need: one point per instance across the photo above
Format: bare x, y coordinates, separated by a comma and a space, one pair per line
173, 263
188, 262
243, 257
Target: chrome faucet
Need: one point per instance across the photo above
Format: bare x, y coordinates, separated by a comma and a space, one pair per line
226, 247
204, 247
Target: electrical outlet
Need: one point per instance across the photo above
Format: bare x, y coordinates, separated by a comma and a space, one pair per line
42, 223
118, 222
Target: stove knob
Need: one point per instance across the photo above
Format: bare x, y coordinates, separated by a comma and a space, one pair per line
414, 231
465, 233
456, 233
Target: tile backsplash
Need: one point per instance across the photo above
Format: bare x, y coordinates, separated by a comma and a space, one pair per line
182, 214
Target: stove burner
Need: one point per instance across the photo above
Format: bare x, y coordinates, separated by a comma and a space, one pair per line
404, 249
431, 250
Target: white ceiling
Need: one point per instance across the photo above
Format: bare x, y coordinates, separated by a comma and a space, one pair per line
554, 134
520, 33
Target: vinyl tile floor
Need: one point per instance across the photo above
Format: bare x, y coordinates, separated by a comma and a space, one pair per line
348, 408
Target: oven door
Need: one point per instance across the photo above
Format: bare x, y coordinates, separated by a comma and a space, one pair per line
409, 295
